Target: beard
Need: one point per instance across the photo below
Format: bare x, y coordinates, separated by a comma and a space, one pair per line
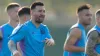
39, 20
17, 20
86, 24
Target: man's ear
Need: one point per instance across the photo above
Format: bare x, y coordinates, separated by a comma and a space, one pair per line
24, 17
8, 12
31, 12
97, 18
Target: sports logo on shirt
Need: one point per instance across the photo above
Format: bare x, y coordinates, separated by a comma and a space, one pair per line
42, 31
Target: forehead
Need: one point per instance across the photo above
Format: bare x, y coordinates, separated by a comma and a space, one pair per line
14, 9
27, 14
40, 8
86, 11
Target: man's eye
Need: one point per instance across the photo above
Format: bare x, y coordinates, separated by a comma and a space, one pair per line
40, 10
87, 15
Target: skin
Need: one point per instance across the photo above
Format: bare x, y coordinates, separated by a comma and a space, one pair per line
13, 20
73, 37
22, 20
84, 18
37, 17
93, 39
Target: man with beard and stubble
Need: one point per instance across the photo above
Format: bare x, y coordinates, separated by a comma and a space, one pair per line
33, 34
76, 38
93, 43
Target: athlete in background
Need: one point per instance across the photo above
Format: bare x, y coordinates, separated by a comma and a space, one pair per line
7, 28
76, 37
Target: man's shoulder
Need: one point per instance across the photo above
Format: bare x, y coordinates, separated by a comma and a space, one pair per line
25, 25
20, 28
75, 28
92, 31
43, 25
75, 25
28, 22
76, 32
4, 25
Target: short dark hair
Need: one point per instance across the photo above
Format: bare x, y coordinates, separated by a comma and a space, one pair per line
34, 4
12, 5
97, 13
86, 6
24, 11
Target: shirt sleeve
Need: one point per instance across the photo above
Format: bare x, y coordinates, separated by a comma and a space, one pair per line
17, 35
48, 35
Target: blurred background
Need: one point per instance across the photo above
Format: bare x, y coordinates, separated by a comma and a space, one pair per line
60, 16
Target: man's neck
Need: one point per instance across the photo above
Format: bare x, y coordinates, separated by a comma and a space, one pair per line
13, 23
21, 22
36, 24
98, 24
85, 26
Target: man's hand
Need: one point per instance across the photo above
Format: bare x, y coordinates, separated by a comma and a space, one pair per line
16, 53
49, 42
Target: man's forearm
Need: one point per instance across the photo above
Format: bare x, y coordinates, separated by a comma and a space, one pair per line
90, 51
19, 49
91, 43
74, 49
12, 46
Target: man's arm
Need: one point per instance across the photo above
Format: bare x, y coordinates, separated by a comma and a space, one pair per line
19, 48
12, 47
92, 41
69, 45
49, 40
14, 39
